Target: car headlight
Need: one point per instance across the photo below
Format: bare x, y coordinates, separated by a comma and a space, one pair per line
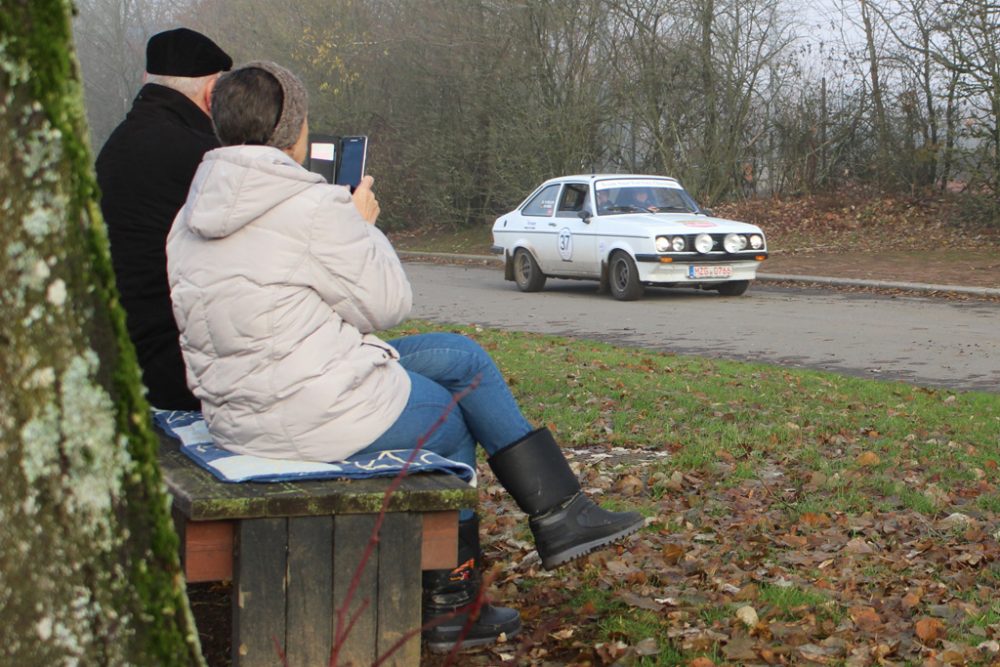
756, 241
678, 243
703, 243
734, 242
662, 244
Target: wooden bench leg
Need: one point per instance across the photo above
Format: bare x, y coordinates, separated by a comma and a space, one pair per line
400, 587
350, 538
259, 592
310, 591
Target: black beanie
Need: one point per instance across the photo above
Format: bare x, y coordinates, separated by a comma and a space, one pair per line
184, 52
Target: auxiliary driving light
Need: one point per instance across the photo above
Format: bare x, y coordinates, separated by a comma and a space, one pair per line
734, 243
703, 243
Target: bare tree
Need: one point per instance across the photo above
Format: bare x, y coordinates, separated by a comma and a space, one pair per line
469, 103
111, 44
971, 51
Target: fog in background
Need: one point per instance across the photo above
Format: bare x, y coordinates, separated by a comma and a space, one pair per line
468, 104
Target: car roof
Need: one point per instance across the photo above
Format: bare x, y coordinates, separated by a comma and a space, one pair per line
598, 177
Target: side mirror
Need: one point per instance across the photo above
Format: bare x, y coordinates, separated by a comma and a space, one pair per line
584, 215
708, 212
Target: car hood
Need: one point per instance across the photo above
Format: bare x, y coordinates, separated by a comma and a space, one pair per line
678, 223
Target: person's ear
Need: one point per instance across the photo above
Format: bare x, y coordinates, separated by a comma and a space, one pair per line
209, 87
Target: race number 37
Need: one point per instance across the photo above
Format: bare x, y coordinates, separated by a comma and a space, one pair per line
565, 244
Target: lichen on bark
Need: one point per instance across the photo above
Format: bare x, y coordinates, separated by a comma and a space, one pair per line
89, 573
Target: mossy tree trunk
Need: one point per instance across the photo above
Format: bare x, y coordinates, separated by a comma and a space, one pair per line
88, 558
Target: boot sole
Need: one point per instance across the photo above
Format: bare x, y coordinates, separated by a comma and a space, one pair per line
555, 560
447, 646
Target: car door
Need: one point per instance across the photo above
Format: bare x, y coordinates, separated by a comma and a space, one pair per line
575, 241
540, 231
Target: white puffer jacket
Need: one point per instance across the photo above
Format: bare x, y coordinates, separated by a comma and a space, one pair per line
277, 284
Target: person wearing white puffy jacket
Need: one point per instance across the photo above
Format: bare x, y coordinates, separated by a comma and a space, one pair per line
279, 282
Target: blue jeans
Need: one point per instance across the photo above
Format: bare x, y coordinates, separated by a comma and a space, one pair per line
441, 365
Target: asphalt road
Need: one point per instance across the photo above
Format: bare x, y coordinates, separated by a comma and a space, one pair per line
920, 340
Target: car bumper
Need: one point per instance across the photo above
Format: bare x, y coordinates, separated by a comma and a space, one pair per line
685, 272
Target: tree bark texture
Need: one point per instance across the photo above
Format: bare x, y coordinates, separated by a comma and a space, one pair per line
89, 573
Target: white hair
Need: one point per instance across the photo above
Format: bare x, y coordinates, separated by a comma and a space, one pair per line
192, 86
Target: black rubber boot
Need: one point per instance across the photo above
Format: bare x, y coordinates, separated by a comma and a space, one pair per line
447, 591
565, 522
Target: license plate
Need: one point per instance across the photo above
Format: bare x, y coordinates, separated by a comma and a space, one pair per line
710, 271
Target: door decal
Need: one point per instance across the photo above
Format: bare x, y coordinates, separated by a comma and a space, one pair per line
566, 244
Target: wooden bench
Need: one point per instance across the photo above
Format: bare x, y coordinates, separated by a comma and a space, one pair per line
292, 549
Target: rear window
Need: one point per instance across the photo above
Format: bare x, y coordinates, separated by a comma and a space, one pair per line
544, 203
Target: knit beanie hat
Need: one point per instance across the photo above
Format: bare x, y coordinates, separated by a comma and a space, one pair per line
184, 52
293, 108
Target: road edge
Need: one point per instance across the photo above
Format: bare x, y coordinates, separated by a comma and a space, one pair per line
767, 277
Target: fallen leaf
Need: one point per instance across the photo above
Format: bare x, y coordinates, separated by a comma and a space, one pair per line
647, 646
701, 662
937, 495
676, 481
911, 600
673, 553
858, 546
639, 601
956, 520
820, 654
814, 519
929, 630
866, 618
740, 649
868, 459
992, 646
748, 615
629, 485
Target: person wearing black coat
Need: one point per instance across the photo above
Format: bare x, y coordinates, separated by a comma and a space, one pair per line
144, 171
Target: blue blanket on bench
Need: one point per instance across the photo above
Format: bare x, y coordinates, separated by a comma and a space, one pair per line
190, 428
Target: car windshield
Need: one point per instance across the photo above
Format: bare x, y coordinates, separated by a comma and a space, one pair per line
642, 195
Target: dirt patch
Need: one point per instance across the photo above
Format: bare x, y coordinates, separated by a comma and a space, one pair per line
968, 269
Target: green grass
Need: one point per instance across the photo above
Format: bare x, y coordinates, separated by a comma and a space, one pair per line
789, 601
705, 410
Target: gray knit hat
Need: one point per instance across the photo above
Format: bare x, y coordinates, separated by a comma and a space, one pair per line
294, 107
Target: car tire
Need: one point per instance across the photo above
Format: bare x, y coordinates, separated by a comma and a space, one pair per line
733, 287
623, 277
528, 275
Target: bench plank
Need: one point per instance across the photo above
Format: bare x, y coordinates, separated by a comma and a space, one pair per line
350, 538
310, 591
201, 497
399, 583
259, 602
207, 551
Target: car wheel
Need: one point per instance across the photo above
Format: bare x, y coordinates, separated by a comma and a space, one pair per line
623, 277
527, 275
733, 287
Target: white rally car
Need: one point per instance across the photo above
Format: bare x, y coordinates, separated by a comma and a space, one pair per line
627, 231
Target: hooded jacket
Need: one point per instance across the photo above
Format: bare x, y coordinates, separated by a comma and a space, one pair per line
277, 285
